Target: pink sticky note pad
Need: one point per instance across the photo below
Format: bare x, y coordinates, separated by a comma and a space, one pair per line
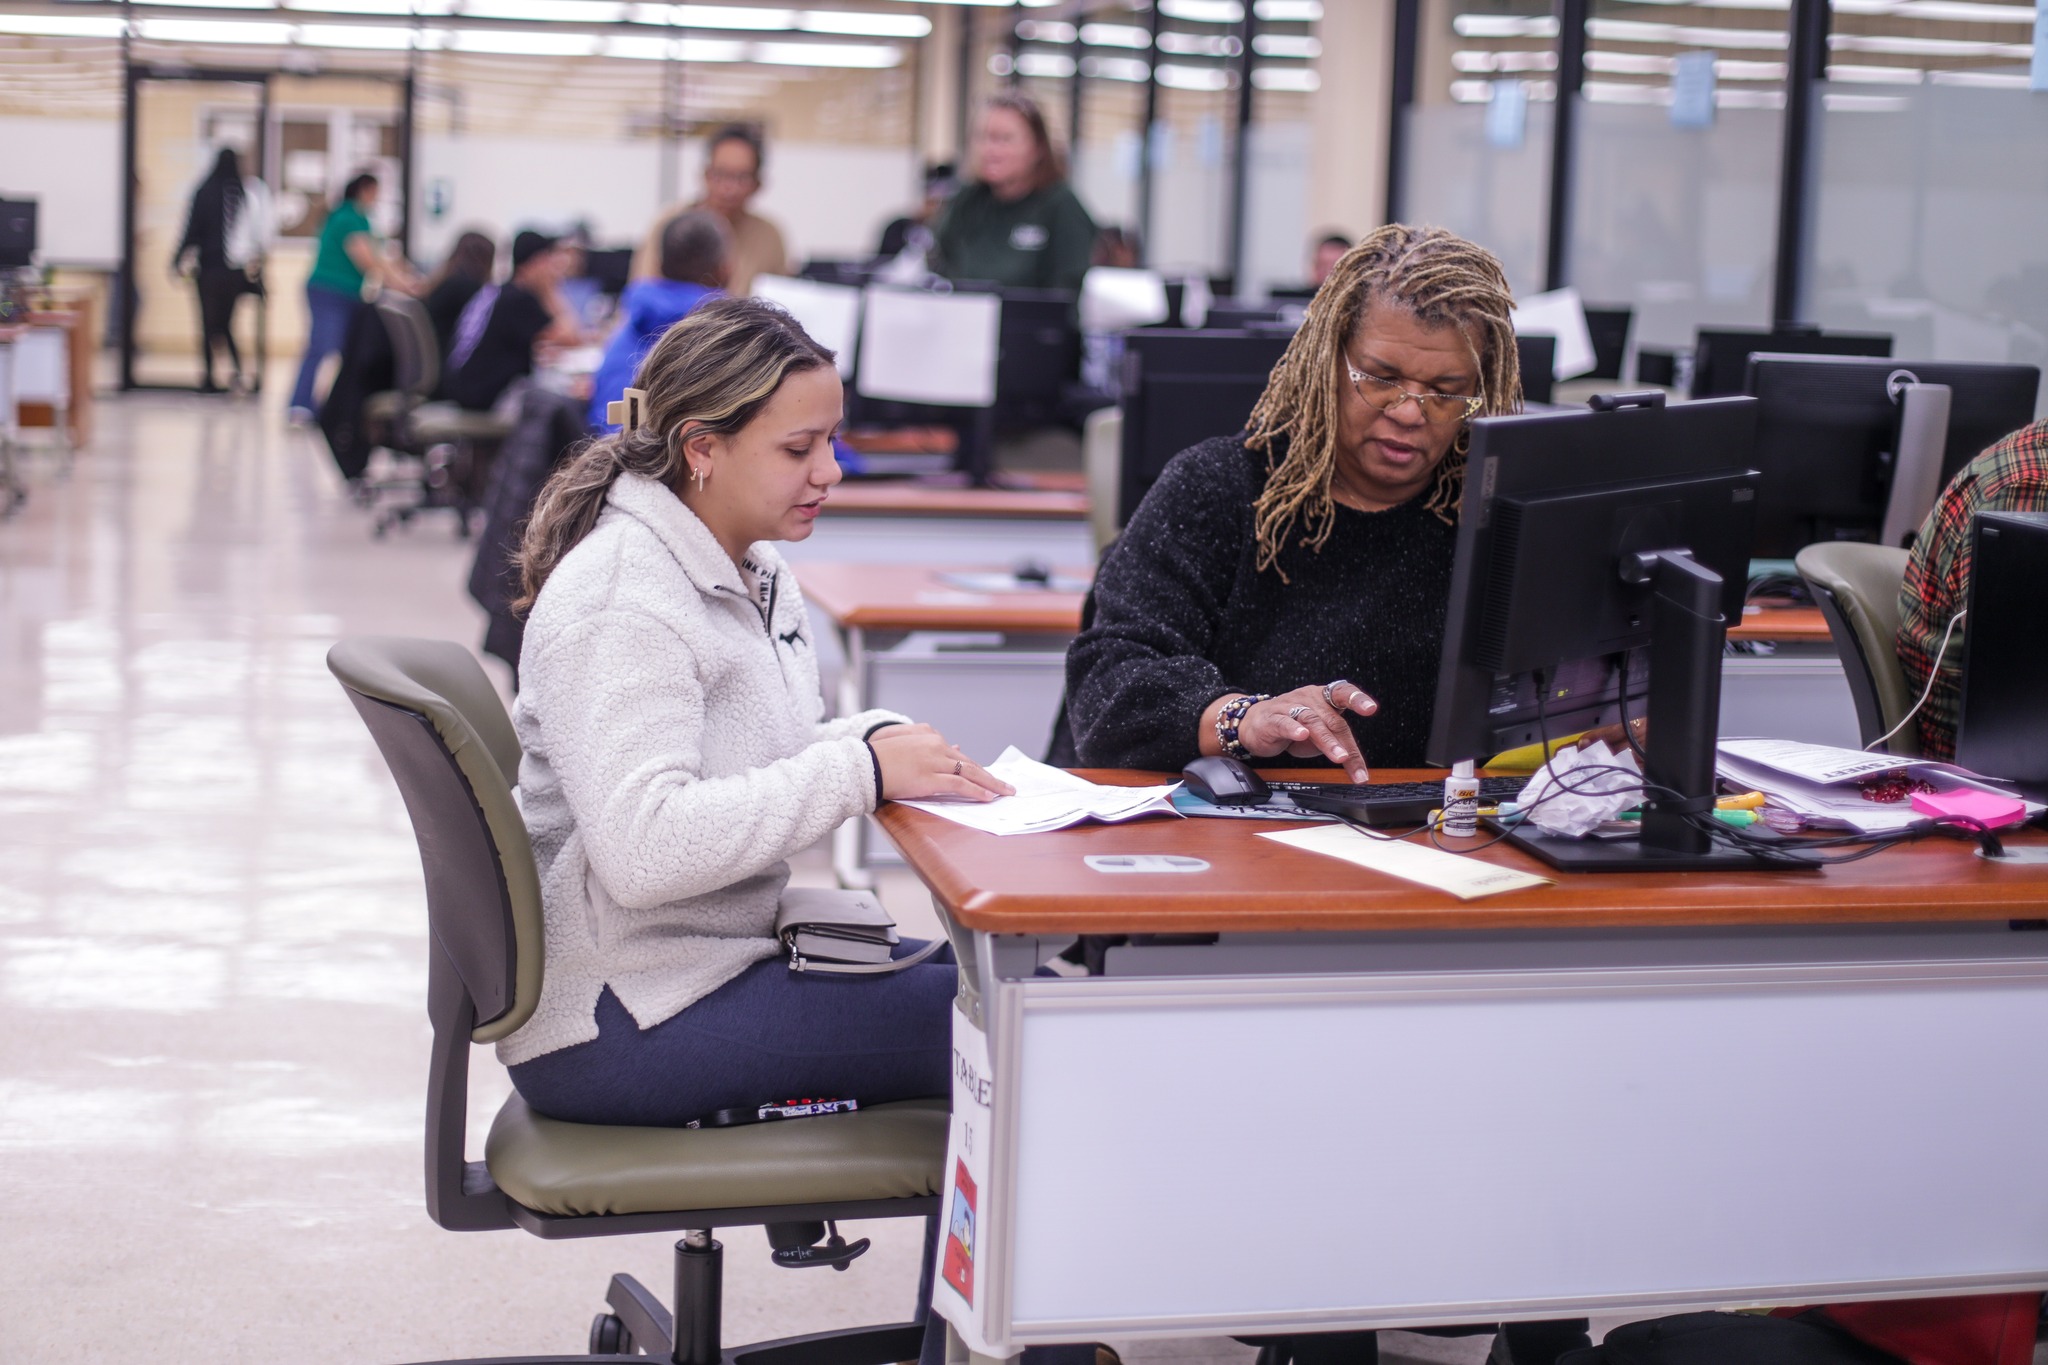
1987, 808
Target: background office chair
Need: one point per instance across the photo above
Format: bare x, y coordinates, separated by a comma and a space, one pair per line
451, 747
1102, 461
1857, 587
453, 444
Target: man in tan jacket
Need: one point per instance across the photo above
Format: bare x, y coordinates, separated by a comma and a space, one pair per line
732, 176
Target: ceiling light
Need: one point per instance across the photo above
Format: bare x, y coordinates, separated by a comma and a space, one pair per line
1624, 92
1505, 26
1286, 45
368, 36
212, 4
1200, 44
61, 26
1115, 68
212, 31
1680, 35
1630, 63
861, 56
1725, 98
1203, 11
546, 11
1289, 11
1865, 104
405, 7
1961, 11
731, 16
1735, 69
515, 43
1115, 35
1876, 75
1294, 78
1193, 77
1472, 92
1927, 47
1045, 31
1056, 65
1983, 80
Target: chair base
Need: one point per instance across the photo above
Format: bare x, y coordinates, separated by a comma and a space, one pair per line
641, 1329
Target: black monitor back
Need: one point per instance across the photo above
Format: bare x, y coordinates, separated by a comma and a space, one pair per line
855, 273
1553, 501
17, 233
1038, 353
1291, 293
1228, 315
1181, 388
611, 268
1826, 427
1538, 358
1720, 357
2003, 721
1608, 327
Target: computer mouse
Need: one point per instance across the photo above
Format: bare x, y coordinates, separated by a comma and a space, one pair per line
1036, 572
1224, 781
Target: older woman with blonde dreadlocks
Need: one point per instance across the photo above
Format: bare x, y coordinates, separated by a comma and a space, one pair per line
1282, 591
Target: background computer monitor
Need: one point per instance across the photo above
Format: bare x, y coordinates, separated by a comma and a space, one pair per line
1538, 358
1291, 293
1226, 315
1720, 357
1608, 329
1183, 387
1545, 635
1827, 427
17, 233
1038, 355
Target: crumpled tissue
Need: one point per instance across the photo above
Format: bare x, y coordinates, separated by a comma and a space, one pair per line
1559, 803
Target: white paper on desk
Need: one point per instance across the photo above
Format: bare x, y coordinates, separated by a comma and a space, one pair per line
1049, 798
1465, 878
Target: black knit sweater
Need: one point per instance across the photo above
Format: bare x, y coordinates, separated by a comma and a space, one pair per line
1180, 616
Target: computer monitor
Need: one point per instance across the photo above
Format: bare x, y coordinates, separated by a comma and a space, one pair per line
1181, 388
1608, 329
611, 268
1538, 358
2002, 724
1038, 354
1600, 556
854, 273
1828, 428
17, 233
1720, 356
1291, 293
1227, 315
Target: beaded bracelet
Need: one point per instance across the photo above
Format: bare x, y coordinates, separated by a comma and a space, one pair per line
1230, 717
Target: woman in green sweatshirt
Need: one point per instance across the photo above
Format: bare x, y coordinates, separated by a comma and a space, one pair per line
1018, 223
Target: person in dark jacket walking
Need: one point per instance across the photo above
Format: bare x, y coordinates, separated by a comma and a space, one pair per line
226, 228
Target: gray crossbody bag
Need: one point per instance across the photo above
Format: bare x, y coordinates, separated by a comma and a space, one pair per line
841, 931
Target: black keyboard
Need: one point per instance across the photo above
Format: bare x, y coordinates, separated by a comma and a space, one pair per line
1389, 803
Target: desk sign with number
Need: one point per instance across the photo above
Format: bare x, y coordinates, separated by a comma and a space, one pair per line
960, 1285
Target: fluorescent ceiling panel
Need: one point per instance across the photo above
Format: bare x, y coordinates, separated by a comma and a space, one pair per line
1115, 35
213, 31
1056, 65
60, 26
1927, 47
1876, 75
405, 7
1681, 35
365, 36
1294, 78
1289, 11
1193, 77
513, 43
1199, 44
868, 24
1865, 104
1203, 11
547, 11
1504, 26
1286, 45
860, 56
1115, 68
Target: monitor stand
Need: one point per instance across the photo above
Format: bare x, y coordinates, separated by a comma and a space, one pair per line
1686, 634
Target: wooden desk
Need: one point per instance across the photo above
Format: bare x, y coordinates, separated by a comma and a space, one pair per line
906, 498
1307, 1097
998, 682
81, 338
1782, 624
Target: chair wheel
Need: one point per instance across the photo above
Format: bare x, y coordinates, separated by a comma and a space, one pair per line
609, 1337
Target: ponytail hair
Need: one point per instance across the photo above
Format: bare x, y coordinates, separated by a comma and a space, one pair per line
713, 371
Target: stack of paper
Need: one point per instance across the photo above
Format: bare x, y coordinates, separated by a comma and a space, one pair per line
1823, 783
1048, 798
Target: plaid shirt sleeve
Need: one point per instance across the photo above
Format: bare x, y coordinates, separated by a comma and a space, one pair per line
2011, 476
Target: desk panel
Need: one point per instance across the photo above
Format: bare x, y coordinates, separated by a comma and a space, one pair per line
1835, 1122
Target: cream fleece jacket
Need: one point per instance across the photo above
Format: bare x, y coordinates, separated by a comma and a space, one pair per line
675, 756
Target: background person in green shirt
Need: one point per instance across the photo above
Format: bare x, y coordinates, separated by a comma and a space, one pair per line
349, 253
1019, 222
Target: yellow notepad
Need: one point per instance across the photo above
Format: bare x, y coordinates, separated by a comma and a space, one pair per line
1465, 878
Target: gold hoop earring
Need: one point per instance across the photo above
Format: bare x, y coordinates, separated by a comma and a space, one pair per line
1464, 441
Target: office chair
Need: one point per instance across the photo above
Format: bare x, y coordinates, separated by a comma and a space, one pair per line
1102, 462
452, 443
1857, 587
452, 750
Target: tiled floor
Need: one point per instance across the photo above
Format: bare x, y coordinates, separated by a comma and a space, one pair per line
212, 943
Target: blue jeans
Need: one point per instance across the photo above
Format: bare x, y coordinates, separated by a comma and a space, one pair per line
331, 311
768, 1034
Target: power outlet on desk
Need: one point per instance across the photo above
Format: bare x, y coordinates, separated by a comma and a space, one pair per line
1144, 862
2031, 856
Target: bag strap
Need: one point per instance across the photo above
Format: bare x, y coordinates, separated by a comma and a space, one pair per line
799, 963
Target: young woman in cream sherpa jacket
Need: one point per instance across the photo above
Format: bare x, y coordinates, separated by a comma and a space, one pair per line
675, 755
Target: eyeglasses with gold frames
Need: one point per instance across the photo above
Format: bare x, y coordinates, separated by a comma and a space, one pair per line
1386, 395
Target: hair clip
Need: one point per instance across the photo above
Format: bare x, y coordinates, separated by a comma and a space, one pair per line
627, 412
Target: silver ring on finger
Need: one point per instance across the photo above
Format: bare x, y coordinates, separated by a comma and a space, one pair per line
1297, 712
956, 767
1330, 695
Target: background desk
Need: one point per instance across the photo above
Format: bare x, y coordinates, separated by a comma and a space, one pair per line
1619, 1094
987, 669
894, 522
1792, 687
